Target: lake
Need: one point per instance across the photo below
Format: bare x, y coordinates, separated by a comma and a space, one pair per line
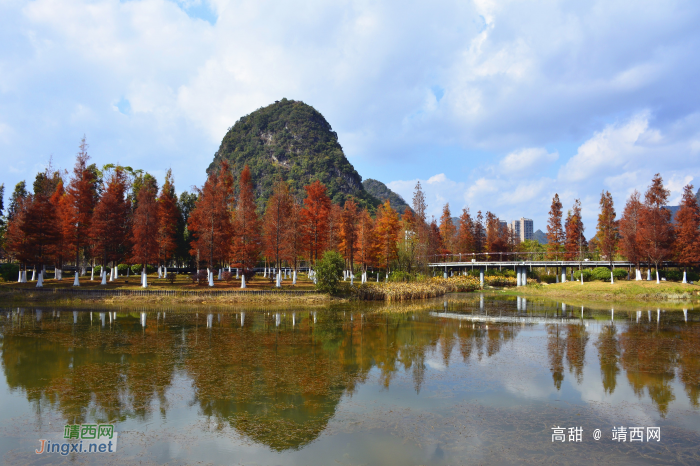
471, 379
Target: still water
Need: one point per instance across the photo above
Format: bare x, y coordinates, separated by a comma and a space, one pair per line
470, 380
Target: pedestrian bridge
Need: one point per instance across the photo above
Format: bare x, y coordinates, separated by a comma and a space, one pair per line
513, 264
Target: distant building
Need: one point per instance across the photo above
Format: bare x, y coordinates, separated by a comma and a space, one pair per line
522, 228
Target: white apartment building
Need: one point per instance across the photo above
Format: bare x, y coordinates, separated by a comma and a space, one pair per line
523, 228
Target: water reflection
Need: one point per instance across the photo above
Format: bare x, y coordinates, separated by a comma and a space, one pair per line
278, 377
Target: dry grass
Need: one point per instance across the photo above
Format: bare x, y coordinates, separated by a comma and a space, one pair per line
432, 288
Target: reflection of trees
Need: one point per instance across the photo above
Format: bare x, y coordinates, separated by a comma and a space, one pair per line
689, 362
576, 340
77, 369
609, 355
556, 346
649, 358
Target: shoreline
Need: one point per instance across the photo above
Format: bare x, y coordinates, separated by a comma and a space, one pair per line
621, 291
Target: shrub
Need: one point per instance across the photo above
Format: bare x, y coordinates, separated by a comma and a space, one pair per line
9, 272
171, 276
603, 274
228, 276
137, 268
98, 270
672, 275
399, 276
586, 275
121, 268
329, 271
200, 277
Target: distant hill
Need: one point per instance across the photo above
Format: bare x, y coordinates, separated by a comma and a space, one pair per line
540, 237
382, 192
292, 140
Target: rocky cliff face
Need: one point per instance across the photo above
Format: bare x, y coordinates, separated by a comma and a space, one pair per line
291, 140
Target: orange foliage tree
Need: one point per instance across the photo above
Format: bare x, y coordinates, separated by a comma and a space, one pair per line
655, 228
168, 215
81, 198
145, 228
111, 220
607, 232
295, 235
366, 240
210, 220
629, 229
246, 245
448, 230
276, 224
40, 225
348, 232
575, 243
58, 204
16, 240
687, 247
555, 233
387, 231
465, 235
317, 208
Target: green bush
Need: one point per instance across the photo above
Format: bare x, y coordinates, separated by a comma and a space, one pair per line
329, 271
137, 268
9, 272
672, 275
586, 275
98, 269
121, 268
603, 274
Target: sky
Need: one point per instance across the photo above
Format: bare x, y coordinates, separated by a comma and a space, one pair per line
491, 105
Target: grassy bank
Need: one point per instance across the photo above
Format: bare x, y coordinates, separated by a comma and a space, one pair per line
622, 290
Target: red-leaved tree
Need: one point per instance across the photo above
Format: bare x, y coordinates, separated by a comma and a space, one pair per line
687, 247
246, 245
448, 230
607, 231
655, 228
348, 232
629, 229
168, 215
317, 208
575, 244
145, 228
111, 220
276, 223
81, 198
210, 220
555, 232
387, 232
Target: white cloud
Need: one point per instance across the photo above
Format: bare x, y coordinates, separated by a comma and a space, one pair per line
514, 78
616, 146
524, 161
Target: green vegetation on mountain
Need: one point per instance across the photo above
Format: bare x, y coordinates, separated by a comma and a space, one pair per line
292, 140
383, 193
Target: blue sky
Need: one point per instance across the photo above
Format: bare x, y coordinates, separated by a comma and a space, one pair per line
492, 105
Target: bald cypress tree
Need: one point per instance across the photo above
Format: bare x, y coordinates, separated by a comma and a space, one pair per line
555, 232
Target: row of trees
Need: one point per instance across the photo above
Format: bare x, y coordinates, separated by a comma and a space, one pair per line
646, 232
118, 214
111, 215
